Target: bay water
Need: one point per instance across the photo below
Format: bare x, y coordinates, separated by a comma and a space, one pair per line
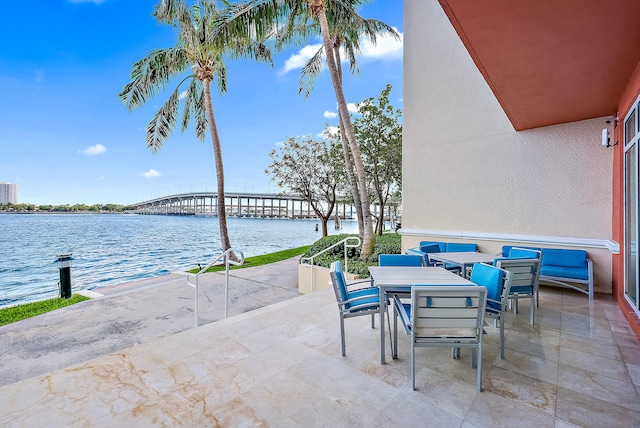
110, 249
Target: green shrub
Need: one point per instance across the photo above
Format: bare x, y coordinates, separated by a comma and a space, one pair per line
389, 243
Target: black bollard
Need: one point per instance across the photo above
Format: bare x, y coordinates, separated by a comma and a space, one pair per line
64, 264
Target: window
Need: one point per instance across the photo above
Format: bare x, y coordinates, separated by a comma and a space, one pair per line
631, 138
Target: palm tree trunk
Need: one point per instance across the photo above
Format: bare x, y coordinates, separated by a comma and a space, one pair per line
347, 154
368, 236
217, 155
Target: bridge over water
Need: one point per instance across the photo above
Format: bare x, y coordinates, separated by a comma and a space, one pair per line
264, 205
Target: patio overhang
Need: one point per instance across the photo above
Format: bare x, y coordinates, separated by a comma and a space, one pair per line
550, 62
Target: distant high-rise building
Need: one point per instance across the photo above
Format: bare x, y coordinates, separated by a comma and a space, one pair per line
8, 193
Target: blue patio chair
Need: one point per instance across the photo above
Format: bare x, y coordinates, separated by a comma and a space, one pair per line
400, 260
524, 284
445, 317
498, 283
458, 247
424, 250
354, 301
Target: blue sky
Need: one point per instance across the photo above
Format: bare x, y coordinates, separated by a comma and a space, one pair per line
65, 137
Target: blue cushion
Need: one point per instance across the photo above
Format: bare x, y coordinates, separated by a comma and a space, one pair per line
523, 253
565, 272
442, 245
454, 247
400, 260
519, 289
366, 298
489, 277
342, 283
507, 248
430, 248
564, 258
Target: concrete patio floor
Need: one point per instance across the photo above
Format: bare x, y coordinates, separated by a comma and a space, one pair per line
280, 366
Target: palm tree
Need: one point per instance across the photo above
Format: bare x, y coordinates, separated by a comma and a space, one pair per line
199, 52
344, 35
260, 17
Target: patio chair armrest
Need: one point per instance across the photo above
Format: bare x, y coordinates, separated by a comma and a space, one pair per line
503, 306
369, 280
400, 310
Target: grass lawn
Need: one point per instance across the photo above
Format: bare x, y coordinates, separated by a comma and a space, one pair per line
264, 259
28, 310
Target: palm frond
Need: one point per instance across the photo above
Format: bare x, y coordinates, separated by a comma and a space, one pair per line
310, 72
190, 102
163, 122
200, 113
151, 74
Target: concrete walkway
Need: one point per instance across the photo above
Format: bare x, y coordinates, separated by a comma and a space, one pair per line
134, 313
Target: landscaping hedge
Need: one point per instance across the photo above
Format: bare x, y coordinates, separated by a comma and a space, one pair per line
388, 243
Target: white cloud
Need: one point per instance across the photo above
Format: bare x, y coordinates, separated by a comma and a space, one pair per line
352, 107
330, 114
299, 59
152, 173
331, 130
182, 94
94, 150
386, 48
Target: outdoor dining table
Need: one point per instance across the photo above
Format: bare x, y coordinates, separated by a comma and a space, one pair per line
399, 279
463, 259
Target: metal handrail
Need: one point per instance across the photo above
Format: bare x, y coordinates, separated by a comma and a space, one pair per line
345, 242
227, 262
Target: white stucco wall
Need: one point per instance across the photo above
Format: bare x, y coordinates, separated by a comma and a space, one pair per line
467, 172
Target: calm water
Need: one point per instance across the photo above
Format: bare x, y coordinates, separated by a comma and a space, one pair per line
110, 249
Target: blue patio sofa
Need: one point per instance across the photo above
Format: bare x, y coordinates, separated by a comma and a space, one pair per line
568, 268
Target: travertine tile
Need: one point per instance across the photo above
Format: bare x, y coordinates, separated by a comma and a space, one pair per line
603, 348
593, 363
493, 410
527, 365
524, 389
572, 407
594, 384
282, 366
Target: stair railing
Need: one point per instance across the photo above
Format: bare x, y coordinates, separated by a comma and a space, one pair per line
349, 242
192, 278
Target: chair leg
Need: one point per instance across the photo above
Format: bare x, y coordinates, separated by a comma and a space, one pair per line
394, 350
480, 369
344, 351
502, 337
533, 310
413, 365
472, 358
373, 320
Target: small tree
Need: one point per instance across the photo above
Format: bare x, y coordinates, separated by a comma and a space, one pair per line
311, 169
379, 134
